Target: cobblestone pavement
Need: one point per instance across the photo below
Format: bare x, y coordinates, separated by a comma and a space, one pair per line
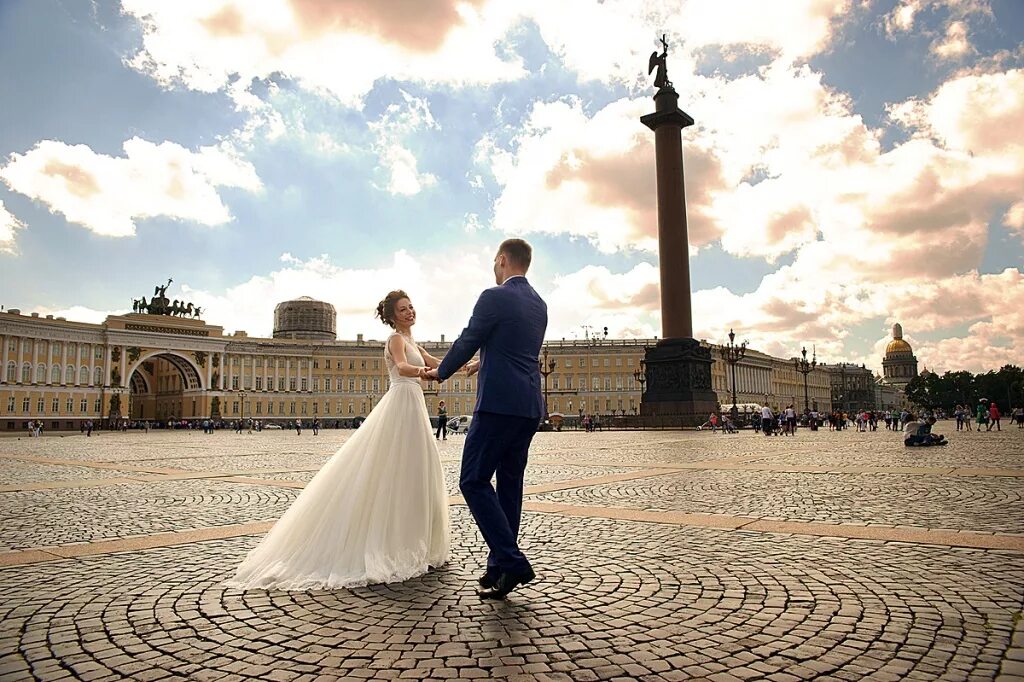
660, 555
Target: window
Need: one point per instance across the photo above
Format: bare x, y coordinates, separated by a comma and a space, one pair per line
316, 407
234, 383
24, 404
607, 383
351, 408
305, 385
362, 364
595, 362
97, 376
376, 364
292, 384
316, 364
234, 407
12, 372
83, 406
26, 373
40, 405
55, 374
55, 405
280, 384
259, 407
469, 385
607, 362
292, 408
568, 362
351, 385
259, 383
362, 384
327, 363
12, 345
40, 374
96, 406
97, 352
327, 407
618, 361
596, 384
582, 363
568, 381
351, 364
69, 375
376, 385
362, 407
327, 384
455, 386
83, 376
554, 383
56, 347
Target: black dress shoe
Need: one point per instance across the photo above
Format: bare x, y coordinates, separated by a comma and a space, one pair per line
507, 582
489, 578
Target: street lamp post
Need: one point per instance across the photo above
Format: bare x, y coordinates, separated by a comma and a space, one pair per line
732, 354
546, 368
804, 367
640, 376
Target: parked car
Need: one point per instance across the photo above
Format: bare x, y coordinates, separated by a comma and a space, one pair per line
272, 426
460, 424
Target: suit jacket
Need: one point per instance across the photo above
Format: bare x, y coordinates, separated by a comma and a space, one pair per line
507, 327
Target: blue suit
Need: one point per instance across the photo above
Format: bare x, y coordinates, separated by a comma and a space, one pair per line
507, 327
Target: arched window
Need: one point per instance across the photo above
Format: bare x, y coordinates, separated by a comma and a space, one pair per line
12, 372
69, 376
26, 373
40, 373
97, 377
55, 374
83, 375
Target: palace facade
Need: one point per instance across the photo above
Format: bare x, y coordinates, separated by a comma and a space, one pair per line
146, 366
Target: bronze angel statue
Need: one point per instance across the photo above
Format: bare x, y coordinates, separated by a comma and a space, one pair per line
659, 62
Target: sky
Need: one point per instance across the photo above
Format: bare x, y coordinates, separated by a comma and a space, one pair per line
854, 163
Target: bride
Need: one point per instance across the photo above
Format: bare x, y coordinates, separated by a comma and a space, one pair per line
377, 512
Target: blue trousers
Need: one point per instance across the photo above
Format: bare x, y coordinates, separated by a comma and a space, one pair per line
497, 445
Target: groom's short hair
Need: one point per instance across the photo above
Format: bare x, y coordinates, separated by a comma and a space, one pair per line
518, 252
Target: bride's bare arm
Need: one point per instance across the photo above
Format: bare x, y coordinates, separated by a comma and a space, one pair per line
396, 346
431, 361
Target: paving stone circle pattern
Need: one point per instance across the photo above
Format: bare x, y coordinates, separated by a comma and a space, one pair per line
661, 555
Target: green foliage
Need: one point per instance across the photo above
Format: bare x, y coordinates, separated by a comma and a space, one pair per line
1005, 387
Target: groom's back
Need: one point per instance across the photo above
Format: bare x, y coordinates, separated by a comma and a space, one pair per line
510, 380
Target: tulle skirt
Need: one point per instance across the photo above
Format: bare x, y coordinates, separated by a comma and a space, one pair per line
377, 512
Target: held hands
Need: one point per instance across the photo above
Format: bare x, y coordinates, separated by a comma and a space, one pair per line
428, 374
472, 367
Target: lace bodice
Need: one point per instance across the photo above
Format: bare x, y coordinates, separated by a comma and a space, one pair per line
412, 356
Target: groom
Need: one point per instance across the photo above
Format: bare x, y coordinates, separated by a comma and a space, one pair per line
507, 327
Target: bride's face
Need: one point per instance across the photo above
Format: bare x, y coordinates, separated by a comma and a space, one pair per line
405, 314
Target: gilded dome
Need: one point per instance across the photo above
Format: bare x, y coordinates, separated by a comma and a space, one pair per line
898, 346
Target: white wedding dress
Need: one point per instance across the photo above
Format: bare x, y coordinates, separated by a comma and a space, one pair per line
377, 512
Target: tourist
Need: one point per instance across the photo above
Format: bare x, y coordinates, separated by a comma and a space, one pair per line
1018, 416
88, 428
767, 420
993, 417
316, 426
298, 427
790, 421
442, 422
982, 414
919, 433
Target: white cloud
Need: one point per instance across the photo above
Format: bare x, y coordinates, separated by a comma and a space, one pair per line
9, 227
954, 45
395, 126
109, 194
336, 48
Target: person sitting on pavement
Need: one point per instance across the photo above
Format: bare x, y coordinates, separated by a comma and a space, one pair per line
919, 433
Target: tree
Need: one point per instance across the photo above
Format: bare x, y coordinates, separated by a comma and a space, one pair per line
925, 391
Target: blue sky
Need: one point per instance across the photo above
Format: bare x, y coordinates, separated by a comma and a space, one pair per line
846, 170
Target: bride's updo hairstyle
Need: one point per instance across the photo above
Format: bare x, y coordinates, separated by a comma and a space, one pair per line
386, 308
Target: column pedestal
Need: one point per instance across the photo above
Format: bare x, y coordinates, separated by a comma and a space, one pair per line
678, 389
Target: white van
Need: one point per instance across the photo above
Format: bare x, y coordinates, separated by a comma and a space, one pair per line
460, 424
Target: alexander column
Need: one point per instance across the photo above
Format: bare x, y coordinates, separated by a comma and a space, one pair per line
678, 388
